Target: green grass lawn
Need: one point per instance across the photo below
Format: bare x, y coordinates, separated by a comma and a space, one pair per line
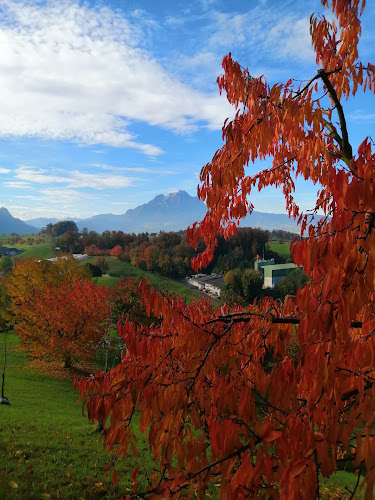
118, 268
282, 249
109, 281
47, 448
334, 486
42, 251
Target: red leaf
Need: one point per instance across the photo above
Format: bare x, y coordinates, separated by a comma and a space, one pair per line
134, 478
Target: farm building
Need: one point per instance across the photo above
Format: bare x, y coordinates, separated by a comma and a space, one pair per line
210, 283
259, 264
273, 274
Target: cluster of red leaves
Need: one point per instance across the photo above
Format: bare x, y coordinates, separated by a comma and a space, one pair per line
57, 313
69, 320
243, 395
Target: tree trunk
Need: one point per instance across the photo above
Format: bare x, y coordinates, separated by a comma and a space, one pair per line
4, 400
68, 362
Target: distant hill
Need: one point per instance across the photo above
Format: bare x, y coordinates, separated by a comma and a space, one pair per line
265, 220
9, 224
101, 223
164, 213
174, 212
41, 222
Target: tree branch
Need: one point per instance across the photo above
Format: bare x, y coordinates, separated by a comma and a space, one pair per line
355, 487
300, 92
346, 147
333, 131
245, 316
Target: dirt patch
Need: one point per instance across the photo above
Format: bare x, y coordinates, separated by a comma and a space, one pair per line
58, 370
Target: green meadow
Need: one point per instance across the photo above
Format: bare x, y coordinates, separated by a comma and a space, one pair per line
42, 250
118, 268
282, 249
48, 449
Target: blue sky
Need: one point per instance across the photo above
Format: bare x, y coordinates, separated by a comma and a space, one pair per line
105, 104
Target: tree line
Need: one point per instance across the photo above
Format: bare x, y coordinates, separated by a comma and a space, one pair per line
170, 253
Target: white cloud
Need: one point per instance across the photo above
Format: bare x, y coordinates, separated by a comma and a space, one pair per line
67, 197
290, 38
60, 202
73, 179
25, 212
142, 170
266, 30
71, 72
17, 185
4, 170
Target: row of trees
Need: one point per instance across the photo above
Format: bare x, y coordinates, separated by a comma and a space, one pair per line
169, 253
15, 239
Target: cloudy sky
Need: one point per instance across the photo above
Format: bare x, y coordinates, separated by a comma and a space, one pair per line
105, 104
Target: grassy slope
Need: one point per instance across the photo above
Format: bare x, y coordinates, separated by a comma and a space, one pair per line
46, 446
118, 268
109, 281
43, 250
282, 249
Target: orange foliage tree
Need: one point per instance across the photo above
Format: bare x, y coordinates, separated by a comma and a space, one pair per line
245, 397
56, 312
67, 322
116, 251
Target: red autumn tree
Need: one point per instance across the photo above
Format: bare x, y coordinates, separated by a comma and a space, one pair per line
265, 400
56, 312
67, 322
30, 275
116, 251
93, 250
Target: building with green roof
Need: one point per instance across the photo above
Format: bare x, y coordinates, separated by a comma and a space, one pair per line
273, 274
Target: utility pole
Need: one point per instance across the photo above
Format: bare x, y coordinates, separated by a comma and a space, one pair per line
4, 400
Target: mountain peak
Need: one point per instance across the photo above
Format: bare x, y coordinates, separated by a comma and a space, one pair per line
159, 197
178, 194
4, 211
10, 224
